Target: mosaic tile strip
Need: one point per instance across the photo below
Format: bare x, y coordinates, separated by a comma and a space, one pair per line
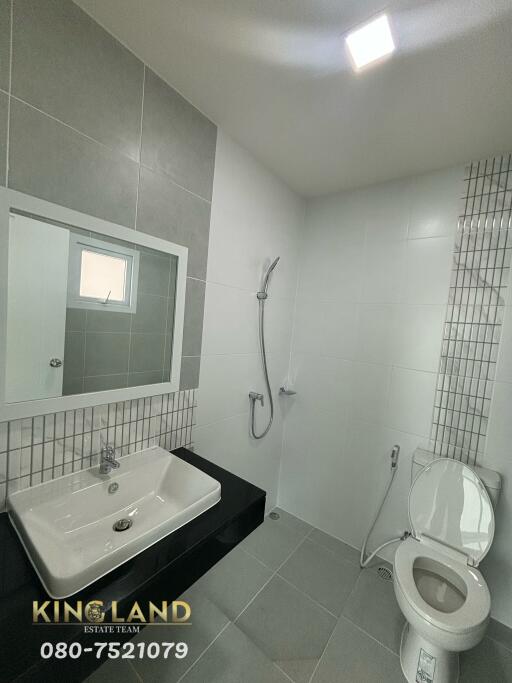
477, 297
38, 449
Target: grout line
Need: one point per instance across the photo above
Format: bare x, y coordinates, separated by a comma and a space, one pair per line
370, 635
271, 576
324, 650
8, 130
75, 130
322, 607
140, 146
282, 671
245, 608
134, 670
204, 651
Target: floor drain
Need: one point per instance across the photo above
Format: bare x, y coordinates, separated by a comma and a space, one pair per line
122, 524
274, 515
385, 573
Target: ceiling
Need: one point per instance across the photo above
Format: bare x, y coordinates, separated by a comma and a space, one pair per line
275, 75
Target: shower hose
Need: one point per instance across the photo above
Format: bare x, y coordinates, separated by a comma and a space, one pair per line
263, 352
364, 561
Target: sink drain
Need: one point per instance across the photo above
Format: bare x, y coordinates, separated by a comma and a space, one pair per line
122, 524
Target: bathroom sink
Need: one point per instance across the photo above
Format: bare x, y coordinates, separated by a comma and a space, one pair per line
67, 526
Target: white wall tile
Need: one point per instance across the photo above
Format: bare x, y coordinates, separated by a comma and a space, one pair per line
369, 392
376, 334
429, 264
504, 368
435, 203
411, 401
230, 320
417, 336
384, 276
387, 211
254, 219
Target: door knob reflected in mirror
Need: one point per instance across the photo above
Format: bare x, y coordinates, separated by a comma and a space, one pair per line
55, 362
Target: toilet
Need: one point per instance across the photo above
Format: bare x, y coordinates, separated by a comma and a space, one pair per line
443, 596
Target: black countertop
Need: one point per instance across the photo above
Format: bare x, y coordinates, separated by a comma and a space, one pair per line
162, 572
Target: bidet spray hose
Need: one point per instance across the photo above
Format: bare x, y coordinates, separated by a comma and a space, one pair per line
394, 467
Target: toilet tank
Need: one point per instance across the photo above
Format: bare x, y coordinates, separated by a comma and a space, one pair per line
490, 479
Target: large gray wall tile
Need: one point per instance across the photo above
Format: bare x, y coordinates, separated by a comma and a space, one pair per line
74, 347
3, 135
5, 42
153, 273
194, 312
147, 352
171, 213
177, 138
151, 315
105, 382
51, 161
190, 367
106, 353
67, 65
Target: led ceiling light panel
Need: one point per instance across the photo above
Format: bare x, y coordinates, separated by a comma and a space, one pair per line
371, 42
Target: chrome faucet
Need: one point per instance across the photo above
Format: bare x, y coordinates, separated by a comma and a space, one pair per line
108, 460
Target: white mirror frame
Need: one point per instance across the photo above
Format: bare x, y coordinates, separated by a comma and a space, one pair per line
10, 200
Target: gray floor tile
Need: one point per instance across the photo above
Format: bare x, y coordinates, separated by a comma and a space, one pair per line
207, 622
353, 657
340, 549
87, 79
372, 606
289, 628
320, 574
114, 670
50, 160
487, 662
293, 522
233, 658
233, 582
500, 633
272, 542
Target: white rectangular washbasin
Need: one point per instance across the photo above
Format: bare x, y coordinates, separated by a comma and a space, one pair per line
67, 525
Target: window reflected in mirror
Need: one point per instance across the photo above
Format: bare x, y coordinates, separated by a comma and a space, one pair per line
85, 312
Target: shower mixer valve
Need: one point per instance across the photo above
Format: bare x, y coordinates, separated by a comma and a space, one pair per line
254, 396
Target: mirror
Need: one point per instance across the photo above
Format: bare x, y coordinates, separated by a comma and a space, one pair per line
87, 310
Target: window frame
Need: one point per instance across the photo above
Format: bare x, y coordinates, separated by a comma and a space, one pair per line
78, 244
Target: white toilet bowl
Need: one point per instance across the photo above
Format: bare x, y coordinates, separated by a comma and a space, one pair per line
447, 606
441, 593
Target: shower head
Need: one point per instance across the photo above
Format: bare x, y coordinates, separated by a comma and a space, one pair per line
264, 290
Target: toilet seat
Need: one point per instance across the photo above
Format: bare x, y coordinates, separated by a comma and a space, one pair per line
477, 604
450, 507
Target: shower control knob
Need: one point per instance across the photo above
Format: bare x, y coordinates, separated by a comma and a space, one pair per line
55, 362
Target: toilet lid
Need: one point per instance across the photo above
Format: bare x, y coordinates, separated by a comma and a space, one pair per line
449, 504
